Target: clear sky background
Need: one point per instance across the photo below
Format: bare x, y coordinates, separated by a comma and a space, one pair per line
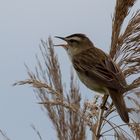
22, 24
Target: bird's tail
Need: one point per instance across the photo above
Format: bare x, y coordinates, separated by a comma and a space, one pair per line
119, 103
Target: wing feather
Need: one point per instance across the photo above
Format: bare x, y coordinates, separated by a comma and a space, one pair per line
100, 67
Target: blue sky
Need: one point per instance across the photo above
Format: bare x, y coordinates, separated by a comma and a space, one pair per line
22, 24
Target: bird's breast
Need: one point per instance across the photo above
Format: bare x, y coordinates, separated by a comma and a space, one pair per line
91, 84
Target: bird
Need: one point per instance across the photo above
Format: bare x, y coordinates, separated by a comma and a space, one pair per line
97, 70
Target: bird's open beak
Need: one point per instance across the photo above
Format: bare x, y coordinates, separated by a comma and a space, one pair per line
62, 45
62, 38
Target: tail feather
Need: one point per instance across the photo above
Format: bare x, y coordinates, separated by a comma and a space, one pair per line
119, 103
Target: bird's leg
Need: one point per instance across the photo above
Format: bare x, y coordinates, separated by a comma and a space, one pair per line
100, 118
109, 110
104, 100
111, 106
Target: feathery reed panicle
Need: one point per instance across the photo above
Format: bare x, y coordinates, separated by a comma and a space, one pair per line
61, 108
135, 128
128, 55
129, 47
67, 124
121, 11
128, 51
125, 50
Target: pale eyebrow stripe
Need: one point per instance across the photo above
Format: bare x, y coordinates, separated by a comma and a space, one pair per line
74, 38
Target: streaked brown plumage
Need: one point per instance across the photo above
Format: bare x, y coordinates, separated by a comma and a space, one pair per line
97, 70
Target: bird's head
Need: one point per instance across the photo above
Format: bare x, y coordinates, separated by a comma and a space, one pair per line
75, 43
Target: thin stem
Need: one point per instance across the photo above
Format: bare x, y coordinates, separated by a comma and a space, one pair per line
98, 130
109, 120
118, 126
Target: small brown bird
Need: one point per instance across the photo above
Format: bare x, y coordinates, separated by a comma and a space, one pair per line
97, 70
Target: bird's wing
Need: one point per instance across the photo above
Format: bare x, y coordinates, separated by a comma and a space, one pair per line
95, 64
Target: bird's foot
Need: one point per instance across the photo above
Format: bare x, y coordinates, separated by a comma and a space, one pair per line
102, 106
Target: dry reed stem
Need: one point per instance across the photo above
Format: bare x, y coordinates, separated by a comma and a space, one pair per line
37, 132
5, 137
